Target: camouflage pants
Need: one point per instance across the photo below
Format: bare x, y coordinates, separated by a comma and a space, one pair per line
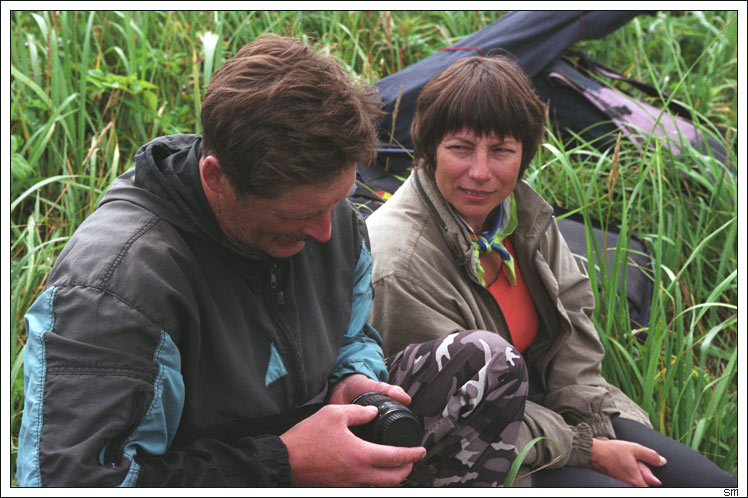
470, 389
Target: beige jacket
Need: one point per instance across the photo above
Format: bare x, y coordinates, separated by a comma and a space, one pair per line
426, 287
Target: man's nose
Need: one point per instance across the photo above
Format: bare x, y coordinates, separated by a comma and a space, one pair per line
319, 227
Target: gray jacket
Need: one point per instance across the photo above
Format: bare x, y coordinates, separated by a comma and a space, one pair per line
161, 354
425, 287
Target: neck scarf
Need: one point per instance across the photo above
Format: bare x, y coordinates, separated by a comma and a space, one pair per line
505, 221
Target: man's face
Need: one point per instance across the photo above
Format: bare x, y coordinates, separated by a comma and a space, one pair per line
280, 226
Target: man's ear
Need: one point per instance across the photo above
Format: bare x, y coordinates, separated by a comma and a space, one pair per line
211, 174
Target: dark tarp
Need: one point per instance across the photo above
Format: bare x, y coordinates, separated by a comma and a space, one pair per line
534, 38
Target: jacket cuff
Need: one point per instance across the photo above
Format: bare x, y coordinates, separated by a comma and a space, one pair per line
278, 460
601, 425
581, 445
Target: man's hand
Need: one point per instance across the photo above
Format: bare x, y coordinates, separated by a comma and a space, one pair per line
625, 461
352, 385
324, 452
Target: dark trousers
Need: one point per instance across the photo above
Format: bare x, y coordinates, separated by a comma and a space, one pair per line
685, 467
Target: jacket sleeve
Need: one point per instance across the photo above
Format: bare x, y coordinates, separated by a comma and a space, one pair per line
103, 400
581, 402
411, 311
361, 351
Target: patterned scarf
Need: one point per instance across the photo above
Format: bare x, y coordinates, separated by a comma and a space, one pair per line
492, 239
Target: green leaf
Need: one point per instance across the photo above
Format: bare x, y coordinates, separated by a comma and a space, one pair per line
31, 84
17, 364
19, 166
37, 186
151, 101
210, 42
520, 458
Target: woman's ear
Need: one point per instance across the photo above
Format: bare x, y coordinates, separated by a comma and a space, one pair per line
211, 174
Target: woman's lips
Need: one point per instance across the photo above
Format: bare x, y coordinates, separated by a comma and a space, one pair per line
477, 195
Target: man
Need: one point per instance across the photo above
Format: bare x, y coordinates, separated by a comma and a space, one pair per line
206, 325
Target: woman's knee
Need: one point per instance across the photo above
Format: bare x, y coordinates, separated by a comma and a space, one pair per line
499, 368
470, 357
494, 349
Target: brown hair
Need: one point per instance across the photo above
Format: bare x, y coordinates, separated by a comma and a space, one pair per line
483, 94
280, 115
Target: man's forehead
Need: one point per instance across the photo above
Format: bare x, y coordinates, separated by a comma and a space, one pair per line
312, 199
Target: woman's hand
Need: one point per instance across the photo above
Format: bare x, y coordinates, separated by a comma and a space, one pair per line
625, 461
322, 451
352, 385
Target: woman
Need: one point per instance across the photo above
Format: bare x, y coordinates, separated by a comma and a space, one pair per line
465, 244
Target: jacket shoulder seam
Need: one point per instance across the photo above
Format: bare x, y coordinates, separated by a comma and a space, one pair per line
126, 247
400, 275
105, 290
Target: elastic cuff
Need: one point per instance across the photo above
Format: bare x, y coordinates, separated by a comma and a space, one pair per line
601, 425
279, 460
581, 445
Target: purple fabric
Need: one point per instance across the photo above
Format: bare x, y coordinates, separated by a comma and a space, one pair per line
636, 119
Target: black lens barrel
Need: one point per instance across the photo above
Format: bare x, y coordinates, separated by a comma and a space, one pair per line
394, 425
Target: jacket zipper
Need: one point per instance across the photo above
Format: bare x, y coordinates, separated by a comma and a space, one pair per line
113, 451
292, 354
557, 342
278, 296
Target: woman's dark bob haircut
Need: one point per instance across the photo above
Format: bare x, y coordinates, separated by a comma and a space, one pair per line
483, 94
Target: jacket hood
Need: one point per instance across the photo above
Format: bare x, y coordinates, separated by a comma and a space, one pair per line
165, 180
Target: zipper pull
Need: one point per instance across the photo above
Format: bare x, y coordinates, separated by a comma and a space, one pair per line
278, 295
112, 454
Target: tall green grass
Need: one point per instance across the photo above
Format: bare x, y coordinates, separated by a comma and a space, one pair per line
685, 208
88, 88
685, 373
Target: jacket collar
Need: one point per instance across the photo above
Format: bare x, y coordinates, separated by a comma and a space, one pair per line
447, 217
533, 213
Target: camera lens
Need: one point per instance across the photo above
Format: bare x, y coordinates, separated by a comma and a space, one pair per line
394, 425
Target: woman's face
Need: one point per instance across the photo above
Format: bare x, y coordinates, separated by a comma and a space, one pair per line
476, 173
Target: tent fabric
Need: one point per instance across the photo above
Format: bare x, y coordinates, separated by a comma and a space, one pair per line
534, 38
635, 118
638, 268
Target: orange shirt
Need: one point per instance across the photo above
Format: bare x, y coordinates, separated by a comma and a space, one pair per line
516, 305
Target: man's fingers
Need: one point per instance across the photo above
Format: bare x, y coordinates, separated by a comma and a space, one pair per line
384, 456
388, 477
358, 414
398, 394
392, 390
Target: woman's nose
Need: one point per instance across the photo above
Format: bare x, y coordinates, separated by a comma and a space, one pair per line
480, 170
